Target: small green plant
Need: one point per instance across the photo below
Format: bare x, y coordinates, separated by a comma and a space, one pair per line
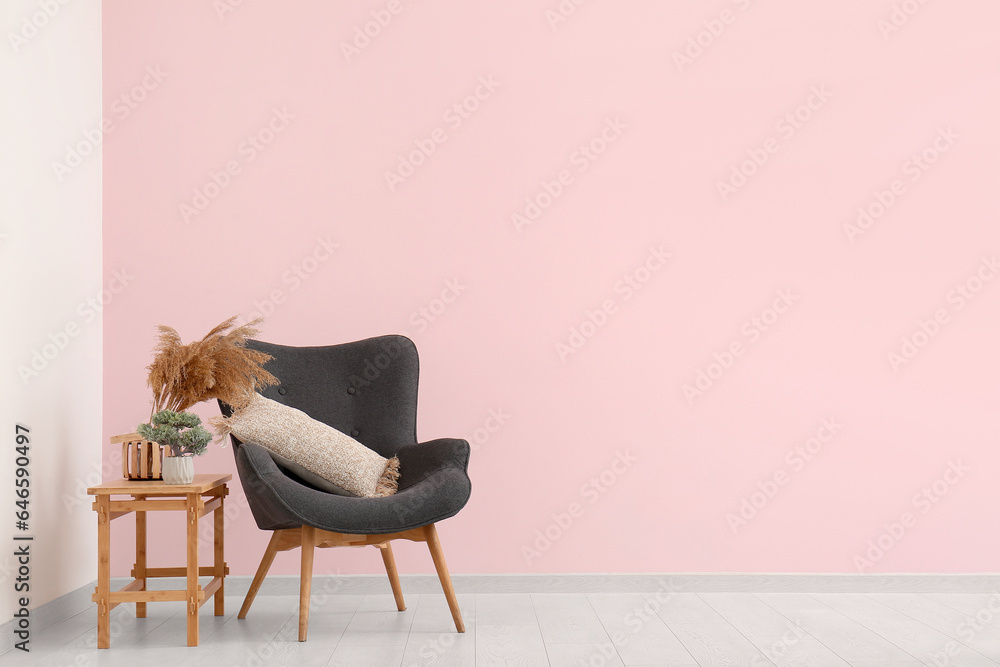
181, 431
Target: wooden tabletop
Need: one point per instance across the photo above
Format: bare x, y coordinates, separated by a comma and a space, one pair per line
200, 484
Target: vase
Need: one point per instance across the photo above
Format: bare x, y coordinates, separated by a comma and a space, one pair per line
178, 469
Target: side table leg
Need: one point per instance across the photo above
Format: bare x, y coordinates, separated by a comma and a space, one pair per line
192, 568
220, 561
103, 571
140, 556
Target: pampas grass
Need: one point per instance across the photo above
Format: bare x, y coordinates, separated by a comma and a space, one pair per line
219, 366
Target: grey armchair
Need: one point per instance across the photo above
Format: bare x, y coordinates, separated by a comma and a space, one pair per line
367, 389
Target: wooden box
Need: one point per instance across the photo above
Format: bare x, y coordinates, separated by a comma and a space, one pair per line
141, 459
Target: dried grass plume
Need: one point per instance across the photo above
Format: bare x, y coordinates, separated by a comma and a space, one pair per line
217, 366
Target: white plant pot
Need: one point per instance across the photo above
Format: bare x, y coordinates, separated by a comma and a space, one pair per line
178, 469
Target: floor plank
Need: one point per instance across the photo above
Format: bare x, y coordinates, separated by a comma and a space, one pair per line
377, 622
575, 655
441, 649
286, 649
505, 609
847, 638
682, 608
782, 641
520, 645
433, 639
366, 656
432, 614
638, 634
984, 608
917, 639
566, 618
966, 628
719, 645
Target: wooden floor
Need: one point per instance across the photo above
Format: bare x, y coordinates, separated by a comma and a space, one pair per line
571, 629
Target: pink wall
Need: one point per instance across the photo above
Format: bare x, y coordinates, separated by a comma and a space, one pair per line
620, 129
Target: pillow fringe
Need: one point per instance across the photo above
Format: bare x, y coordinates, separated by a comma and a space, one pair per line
388, 483
220, 425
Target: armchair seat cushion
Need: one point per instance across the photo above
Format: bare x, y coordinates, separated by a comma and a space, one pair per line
433, 486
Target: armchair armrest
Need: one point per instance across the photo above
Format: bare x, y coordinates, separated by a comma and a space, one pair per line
418, 462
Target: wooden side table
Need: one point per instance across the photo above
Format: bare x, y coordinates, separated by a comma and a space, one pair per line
203, 495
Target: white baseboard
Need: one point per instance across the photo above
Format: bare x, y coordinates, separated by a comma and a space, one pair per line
363, 584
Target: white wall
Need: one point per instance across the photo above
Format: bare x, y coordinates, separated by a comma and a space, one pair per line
50, 265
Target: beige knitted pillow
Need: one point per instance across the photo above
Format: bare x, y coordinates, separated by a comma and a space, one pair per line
319, 448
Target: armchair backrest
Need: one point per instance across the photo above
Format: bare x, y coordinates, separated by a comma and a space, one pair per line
367, 388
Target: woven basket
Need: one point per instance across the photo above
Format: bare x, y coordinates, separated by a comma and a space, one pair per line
141, 459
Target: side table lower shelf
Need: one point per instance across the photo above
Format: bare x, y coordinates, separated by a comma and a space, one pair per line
204, 495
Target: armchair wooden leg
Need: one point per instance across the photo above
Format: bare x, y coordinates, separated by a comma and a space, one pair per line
442, 570
265, 565
390, 569
305, 579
